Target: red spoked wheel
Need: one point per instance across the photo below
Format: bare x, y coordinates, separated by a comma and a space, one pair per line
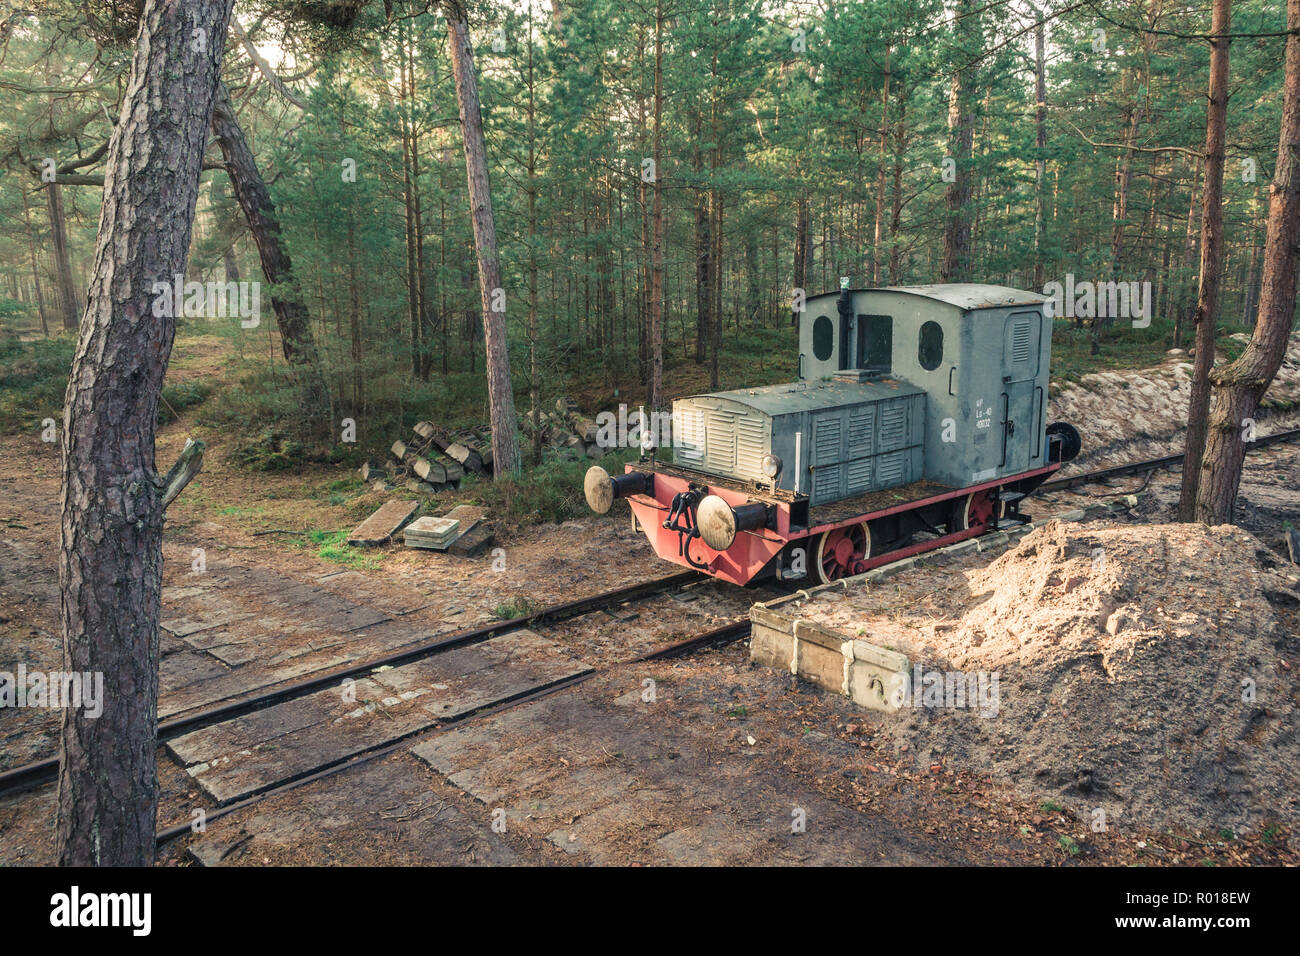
977, 511
843, 552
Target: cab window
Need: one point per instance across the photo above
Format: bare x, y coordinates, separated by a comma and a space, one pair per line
875, 342
929, 351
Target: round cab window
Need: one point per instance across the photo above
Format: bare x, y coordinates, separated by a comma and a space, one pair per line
823, 338
930, 352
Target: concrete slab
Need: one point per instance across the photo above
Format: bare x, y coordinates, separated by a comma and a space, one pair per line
380, 527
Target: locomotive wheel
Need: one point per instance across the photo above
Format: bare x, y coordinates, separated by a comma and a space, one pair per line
977, 512
841, 551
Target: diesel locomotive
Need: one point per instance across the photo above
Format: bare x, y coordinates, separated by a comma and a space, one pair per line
918, 421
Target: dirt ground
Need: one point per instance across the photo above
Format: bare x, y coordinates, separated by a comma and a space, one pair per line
716, 760
1135, 671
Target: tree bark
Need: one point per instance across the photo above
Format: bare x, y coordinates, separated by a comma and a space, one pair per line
110, 558
1040, 142
36, 269
1207, 295
1186, 306
957, 196
801, 245
657, 227
501, 399
880, 174
896, 191
296, 339
1238, 387
67, 293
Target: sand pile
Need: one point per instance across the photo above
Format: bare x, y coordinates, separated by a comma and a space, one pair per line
1130, 414
1142, 670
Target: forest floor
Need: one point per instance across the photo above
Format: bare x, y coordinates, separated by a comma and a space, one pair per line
713, 768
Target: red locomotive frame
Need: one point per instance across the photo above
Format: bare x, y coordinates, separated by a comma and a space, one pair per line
842, 539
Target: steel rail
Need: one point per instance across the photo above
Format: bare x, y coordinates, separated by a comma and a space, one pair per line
20, 778
727, 633
1139, 467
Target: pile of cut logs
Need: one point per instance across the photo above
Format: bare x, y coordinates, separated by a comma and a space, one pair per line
433, 459
566, 430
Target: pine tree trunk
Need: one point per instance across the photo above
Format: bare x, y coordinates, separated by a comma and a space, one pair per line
1238, 387
1040, 142
67, 293
801, 241
880, 175
703, 275
36, 269
957, 196
110, 558
1207, 296
294, 321
896, 192
505, 443
657, 228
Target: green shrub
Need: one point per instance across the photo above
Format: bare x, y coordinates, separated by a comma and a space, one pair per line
33, 379
270, 450
551, 492
178, 397
333, 546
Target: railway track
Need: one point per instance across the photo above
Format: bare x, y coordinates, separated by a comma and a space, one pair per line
1153, 464
40, 772
724, 634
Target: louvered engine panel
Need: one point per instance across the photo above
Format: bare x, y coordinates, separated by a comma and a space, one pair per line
827, 484
720, 443
893, 427
862, 426
688, 442
751, 445
827, 431
891, 469
857, 476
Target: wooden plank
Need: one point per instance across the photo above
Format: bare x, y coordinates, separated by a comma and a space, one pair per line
380, 527
251, 753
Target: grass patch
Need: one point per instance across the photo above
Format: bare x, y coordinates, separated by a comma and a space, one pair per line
516, 607
333, 546
1125, 347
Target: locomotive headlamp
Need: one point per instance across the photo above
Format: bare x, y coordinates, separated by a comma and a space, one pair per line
771, 466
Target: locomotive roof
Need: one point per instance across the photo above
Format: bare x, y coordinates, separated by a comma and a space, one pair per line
792, 397
964, 295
